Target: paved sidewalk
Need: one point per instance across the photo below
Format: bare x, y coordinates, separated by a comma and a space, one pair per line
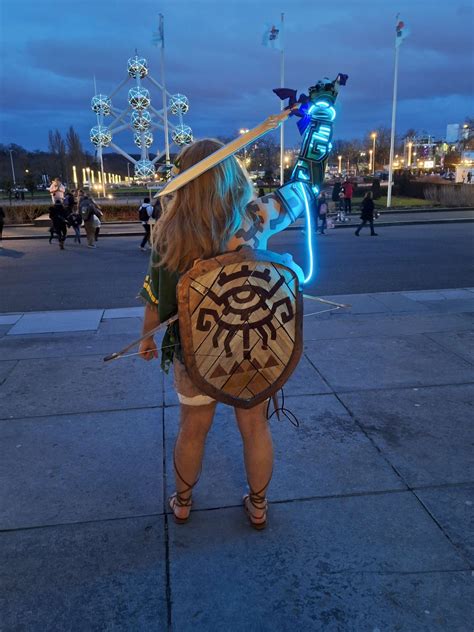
387, 218
371, 521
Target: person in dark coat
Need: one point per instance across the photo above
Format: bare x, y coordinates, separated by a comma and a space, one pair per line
367, 214
58, 216
335, 194
322, 213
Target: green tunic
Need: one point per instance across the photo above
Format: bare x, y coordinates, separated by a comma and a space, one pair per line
159, 291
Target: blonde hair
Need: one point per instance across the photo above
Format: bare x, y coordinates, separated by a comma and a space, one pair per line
204, 214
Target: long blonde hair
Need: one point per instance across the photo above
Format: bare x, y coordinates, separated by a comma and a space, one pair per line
204, 214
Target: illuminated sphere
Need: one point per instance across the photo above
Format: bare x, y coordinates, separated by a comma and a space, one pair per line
139, 98
144, 169
101, 104
179, 104
100, 136
143, 139
141, 121
137, 67
182, 135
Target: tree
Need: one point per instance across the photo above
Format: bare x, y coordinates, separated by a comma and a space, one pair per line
57, 147
75, 151
30, 183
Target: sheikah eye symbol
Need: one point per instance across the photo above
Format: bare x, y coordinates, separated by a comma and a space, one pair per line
243, 306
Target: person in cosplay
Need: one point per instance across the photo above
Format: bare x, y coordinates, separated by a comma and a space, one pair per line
212, 214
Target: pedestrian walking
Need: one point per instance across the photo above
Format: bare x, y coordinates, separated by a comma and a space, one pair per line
469, 177
68, 201
91, 214
58, 217
335, 194
2, 222
348, 193
75, 222
322, 213
57, 190
367, 214
145, 214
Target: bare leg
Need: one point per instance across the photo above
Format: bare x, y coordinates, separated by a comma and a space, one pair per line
195, 422
258, 454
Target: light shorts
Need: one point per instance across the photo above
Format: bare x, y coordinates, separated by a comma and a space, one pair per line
188, 393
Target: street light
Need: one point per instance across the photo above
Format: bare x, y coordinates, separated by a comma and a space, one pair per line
340, 163
371, 160
373, 136
88, 169
410, 147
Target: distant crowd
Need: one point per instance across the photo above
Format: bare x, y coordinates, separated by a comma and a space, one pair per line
76, 209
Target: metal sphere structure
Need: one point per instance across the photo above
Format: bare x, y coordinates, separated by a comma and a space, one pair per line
101, 104
143, 139
100, 136
141, 121
182, 135
144, 169
137, 67
139, 98
179, 104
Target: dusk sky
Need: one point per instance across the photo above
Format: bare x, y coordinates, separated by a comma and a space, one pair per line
51, 50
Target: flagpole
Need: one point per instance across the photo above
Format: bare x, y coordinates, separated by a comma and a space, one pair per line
282, 85
161, 30
392, 136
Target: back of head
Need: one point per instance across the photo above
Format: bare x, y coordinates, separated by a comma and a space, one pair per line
146, 200
201, 217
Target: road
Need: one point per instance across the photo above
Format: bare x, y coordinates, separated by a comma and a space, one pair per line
35, 275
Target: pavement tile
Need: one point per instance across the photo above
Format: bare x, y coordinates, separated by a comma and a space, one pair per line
61, 345
9, 319
48, 322
359, 303
79, 384
426, 433
88, 577
81, 467
429, 295
327, 455
396, 302
6, 367
384, 362
124, 312
459, 342
131, 326
453, 509
451, 306
320, 565
370, 326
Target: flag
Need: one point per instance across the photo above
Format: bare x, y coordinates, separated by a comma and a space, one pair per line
402, 32
159, 37
272, 37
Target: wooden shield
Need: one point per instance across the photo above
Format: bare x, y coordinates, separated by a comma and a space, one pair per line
240, 320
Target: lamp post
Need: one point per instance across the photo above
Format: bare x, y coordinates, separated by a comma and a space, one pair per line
13, 168
242, 131
88, 170
373, 136
410, 146
74, 176
371, 160
339, 158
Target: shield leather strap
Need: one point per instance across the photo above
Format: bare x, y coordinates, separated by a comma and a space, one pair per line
241, 323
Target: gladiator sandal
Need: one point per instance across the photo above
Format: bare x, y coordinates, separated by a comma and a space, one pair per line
256, 507
180, 499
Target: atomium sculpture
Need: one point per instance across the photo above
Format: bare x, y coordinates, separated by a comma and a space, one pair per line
144, 169
141, 121
182, 135
179, 104
144, 139
100, 136
140, 117
139, 99
137, 67
101, 104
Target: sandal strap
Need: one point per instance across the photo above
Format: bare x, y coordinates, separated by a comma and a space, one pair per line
181, 499
258, 499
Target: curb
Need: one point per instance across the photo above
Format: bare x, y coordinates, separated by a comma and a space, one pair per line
299, 227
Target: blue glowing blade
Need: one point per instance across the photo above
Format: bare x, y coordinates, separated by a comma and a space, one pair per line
309, 236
